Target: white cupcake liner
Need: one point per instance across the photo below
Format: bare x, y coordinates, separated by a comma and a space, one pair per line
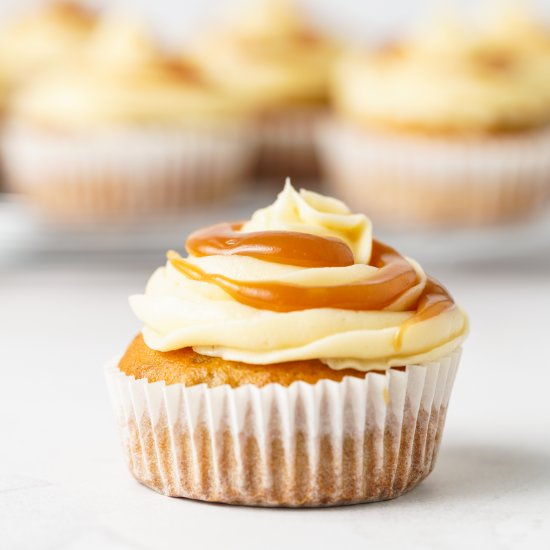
437, 181
77, 176
330, 443
287, 144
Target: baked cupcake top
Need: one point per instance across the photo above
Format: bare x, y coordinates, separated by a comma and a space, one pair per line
448, 79
38, 38
123, 77
302, 279
270, 56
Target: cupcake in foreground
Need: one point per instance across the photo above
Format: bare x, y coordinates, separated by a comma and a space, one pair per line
274, 60
37, 39
127, 131
290, 360
448, 128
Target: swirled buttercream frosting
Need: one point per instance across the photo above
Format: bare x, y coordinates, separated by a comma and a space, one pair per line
269, 56
302, 279
127, 79
450, 78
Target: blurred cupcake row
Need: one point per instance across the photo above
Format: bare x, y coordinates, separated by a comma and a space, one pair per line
446, 127
117, 128
105, 124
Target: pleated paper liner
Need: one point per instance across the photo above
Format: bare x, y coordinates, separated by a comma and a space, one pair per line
330, 443
118, 174
420, 181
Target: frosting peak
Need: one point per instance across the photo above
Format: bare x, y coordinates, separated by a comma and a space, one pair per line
309, 212
268, 55
120, 42
271, 19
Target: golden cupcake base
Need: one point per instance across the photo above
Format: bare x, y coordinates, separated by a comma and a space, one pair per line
331, 443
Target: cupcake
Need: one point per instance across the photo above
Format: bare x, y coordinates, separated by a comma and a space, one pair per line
37, 39
272, 59
290, 360
124, 133
450, 128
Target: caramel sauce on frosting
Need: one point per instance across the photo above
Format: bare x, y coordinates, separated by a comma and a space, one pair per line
394, 277
285, 247
302, 279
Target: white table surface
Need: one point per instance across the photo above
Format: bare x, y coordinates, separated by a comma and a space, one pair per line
63, 480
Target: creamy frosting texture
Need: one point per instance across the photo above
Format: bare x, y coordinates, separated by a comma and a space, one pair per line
127, 79
179, 312
268, 56
38, 38
452, 78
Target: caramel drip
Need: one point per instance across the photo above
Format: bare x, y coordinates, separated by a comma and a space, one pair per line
434, 300
282, 247
394, 277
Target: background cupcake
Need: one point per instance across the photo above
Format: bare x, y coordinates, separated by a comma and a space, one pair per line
124, 132
448, 128
270, 57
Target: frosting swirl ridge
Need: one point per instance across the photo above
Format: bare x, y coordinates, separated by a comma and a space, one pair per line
376, 311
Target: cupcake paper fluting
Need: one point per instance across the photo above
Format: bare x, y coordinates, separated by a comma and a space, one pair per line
325, 444
117, 174
438, 181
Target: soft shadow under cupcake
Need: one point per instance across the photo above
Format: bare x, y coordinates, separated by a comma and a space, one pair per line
472, 471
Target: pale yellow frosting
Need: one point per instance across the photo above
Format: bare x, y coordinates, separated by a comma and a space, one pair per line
268, 56
123, 77
178, 312
519, 28
449, 78
39, 38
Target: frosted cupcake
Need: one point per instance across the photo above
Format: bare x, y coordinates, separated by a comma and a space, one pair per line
290, 360
272, 59
126, 132
448, 128
37, 39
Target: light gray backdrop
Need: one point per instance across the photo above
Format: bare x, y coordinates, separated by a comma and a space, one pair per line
358, 20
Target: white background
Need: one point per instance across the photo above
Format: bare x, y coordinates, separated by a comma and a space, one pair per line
358, 20
64, 483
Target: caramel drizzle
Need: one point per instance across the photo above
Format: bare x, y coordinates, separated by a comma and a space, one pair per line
435, 299
394, 278
282, 247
